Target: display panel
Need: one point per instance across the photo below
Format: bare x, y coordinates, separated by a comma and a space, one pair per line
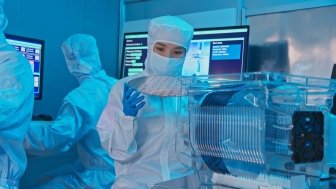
33, 50
212, 51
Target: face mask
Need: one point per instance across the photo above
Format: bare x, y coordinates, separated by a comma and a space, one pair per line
160, 65
79, 70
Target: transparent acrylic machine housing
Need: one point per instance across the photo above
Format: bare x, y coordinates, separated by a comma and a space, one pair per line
259, 126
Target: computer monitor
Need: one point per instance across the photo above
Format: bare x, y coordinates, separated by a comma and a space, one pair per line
134, 53
212, 51
33, 50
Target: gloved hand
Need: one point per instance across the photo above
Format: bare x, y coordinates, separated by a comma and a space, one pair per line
132, 101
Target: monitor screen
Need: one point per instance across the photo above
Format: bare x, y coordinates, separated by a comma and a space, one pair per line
33, 50
212, 51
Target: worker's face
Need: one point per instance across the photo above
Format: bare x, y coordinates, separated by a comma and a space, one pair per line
169, 50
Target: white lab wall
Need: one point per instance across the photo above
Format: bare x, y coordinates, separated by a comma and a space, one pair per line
200, 14
197, 20
205, 13
253, 8
53, 22
260, 4
147, 9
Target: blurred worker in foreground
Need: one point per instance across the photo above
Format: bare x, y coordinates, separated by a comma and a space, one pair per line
16, 107
138, 130
76, 122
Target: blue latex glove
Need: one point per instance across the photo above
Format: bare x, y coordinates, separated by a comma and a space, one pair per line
132, 101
